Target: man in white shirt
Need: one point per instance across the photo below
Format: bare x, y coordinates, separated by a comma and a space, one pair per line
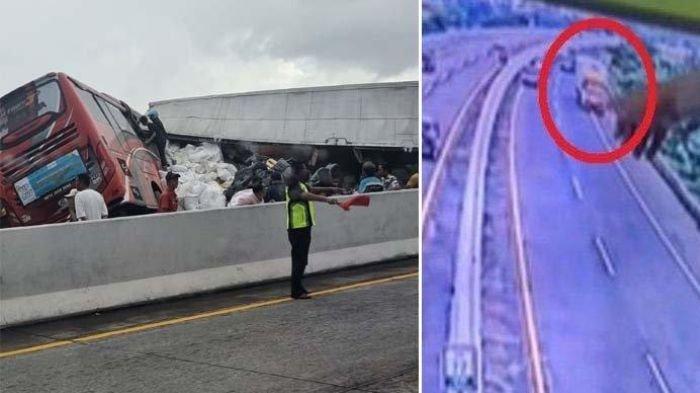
89, 204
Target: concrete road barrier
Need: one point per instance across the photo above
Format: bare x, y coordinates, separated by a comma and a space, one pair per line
58, 270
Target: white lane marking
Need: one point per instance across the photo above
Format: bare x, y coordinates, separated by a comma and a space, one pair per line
464, 321
556, 111
549, 379
578, 191
657, 374
677, 258
465, 324
523, 275
605, 256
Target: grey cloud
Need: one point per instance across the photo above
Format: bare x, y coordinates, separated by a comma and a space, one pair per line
142, 51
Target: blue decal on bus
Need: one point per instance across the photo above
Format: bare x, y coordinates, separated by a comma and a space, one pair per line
50, 177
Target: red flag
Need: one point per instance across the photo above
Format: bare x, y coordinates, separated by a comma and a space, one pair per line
357, 200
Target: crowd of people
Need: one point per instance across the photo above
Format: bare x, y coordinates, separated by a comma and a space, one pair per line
324, 181
295, 185
87, 204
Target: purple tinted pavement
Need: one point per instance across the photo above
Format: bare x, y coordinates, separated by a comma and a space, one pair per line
598, 324
442, 105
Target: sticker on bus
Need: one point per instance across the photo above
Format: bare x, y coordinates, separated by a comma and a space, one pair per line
51, 176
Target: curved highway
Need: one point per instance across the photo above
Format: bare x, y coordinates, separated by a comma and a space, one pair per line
614, 260
588, 275
444, 187
456, 104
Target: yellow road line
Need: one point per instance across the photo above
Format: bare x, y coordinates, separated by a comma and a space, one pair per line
175, 321
35, 348
525, 284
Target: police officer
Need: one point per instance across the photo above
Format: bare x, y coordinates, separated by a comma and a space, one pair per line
301, 216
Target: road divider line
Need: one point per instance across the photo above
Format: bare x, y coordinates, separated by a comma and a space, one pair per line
578, 191
548, 377
657, 374
465, 310
536, 362
36, 348
208, 314
556, 109
658, 229
604, 256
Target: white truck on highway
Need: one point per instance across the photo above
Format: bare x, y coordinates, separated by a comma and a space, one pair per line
592, 92
376, 115
346, 124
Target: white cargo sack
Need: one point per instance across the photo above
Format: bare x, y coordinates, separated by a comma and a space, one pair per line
201, 171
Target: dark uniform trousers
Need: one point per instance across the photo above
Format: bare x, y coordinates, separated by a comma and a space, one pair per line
300, 239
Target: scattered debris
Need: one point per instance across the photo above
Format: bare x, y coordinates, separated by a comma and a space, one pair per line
203, 175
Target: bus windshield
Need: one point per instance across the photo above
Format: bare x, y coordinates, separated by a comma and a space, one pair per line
26, 104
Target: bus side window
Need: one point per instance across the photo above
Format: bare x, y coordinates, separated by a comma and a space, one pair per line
121, 120
110, 120
113, 121
89, 100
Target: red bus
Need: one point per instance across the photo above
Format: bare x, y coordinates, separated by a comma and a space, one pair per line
55, 128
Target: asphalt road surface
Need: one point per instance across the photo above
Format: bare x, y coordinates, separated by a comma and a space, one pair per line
611, 259
614, 261
462, 64
359, 335
444, 105
458, 73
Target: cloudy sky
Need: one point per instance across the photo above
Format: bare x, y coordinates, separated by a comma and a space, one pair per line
142, 51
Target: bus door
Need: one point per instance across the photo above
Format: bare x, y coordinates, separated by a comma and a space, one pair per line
142, 163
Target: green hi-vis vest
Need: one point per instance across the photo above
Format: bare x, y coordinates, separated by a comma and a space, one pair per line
300, 214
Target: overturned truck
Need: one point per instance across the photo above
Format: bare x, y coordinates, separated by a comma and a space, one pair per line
345, 124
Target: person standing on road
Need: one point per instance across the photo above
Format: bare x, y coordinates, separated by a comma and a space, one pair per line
301, 216
89, 204
70, 200
168, 200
